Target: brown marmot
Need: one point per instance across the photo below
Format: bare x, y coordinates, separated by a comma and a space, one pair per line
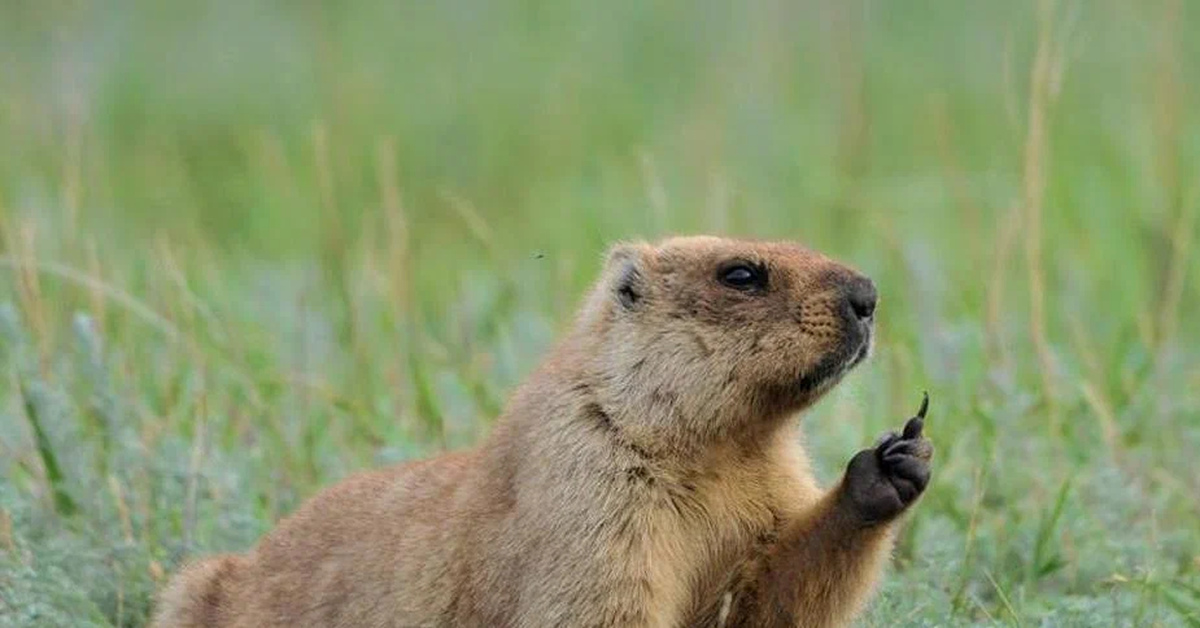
647, 474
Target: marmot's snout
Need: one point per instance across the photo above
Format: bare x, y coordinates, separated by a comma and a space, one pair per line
861, 297
854, 301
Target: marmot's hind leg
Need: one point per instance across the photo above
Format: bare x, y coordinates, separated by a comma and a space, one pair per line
199, 596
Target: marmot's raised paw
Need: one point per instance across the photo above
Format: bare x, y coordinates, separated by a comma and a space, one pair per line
881, 482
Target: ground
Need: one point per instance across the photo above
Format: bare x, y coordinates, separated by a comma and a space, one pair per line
248, 248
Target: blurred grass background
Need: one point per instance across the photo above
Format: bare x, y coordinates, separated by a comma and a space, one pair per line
249, 247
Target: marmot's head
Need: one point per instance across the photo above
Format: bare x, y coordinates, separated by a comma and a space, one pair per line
702, 335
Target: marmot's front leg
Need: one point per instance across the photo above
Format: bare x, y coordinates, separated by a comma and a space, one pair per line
822, 568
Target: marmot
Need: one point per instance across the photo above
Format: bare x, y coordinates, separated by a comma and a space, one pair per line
647, 474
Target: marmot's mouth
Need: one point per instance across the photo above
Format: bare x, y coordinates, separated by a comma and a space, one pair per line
824, 375
837, 364
863, 351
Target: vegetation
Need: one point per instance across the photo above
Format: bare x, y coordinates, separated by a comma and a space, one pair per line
247, 248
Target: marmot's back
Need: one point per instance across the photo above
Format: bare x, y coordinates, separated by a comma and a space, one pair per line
363, 538
201, 595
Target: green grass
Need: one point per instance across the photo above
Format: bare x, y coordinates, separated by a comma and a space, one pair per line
247, 248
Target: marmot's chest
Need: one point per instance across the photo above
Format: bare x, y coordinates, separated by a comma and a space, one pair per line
700, 538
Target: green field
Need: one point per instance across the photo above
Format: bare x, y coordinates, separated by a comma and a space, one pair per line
247, 248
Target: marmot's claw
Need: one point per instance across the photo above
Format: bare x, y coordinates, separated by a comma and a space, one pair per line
914, 426
883, 481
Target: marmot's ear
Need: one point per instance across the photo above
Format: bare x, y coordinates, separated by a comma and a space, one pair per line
625, 269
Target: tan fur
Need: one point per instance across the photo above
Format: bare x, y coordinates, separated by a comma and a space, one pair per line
647, 474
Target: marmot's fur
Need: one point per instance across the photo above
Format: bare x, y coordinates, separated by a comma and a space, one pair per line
649, 473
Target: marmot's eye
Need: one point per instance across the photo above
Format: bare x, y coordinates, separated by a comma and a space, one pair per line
744, 276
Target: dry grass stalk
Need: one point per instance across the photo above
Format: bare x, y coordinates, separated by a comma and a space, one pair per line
29, 294
114, 486
1103, 411
395, 223
997, 311
6, 532
476, 225
1169, 104
96, 300
1033, 194
26, 267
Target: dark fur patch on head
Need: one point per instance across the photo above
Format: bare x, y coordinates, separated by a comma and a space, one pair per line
639, 475
595, 413
629, 291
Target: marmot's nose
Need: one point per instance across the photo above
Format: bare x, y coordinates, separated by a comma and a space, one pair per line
861, 294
